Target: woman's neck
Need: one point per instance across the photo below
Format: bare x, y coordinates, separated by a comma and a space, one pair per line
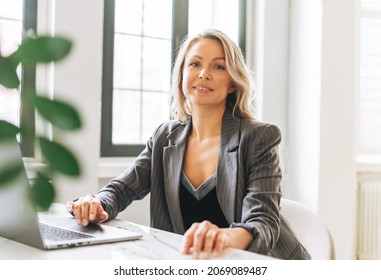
206, 123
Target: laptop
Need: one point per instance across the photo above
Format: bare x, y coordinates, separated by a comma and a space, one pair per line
20, 221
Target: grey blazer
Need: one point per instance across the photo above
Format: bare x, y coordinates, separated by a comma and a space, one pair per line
248, 183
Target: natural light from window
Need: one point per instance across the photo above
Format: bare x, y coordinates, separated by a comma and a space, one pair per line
370, 78
10, 38
142, 60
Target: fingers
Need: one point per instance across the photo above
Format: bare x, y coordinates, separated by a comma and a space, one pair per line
204, 239
87, 210
69, 207
188, 239
210, 241
100, 216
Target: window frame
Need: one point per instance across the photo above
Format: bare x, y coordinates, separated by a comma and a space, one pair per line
28, 77
179, 30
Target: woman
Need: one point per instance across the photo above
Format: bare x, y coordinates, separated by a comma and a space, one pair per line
214, 172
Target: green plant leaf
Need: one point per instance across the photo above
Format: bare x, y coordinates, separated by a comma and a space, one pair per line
9, 173
42, 49
57, 112
8, 74
8, 130
42, 192
59, 158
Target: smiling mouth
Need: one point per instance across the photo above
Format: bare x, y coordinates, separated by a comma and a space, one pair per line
202, 89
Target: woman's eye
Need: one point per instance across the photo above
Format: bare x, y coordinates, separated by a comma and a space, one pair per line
194, 64
219, 67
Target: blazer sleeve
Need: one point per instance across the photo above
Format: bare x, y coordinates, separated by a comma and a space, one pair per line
260, 210
132, 184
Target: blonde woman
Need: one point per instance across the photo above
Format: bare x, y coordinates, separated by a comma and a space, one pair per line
213, 172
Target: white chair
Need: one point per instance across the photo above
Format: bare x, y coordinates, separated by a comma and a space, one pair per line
310, 230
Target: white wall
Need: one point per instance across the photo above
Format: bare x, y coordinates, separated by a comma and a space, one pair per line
337, 184
270, 59
304, 92
78, 79
287, 59
313, 101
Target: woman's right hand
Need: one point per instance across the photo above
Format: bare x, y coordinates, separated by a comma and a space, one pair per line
87, 209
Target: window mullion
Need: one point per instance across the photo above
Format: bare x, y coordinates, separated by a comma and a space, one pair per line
107, 80
28, 82
242, 25
180, 11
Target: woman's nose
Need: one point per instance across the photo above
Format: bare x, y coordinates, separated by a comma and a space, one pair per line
204, 74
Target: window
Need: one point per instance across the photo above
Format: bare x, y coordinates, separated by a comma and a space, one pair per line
17, 16
370, 78
138, 57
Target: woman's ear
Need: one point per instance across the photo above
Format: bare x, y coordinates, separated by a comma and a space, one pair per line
232, 88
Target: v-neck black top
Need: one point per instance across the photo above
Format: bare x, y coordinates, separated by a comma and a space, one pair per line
200, 204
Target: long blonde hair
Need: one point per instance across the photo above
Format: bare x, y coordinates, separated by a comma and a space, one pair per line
240, 101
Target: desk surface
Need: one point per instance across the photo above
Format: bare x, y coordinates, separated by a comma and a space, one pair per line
155, 244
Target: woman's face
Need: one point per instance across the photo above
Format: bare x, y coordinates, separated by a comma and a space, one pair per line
206, 81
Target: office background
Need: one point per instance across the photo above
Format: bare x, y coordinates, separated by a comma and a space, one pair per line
306, 59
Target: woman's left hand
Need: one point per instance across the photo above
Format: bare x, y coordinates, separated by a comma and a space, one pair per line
205, 238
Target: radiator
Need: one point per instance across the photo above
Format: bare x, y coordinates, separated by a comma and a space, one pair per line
369, 221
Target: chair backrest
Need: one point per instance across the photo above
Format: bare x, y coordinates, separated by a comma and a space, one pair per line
310, 230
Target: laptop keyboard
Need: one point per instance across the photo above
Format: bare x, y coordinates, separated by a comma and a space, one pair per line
56, 234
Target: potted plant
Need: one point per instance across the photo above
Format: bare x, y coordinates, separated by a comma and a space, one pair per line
35, 50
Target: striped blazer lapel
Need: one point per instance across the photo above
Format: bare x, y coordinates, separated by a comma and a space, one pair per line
227, 165
172, 165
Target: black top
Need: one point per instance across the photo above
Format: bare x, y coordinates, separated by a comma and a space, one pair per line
207, 208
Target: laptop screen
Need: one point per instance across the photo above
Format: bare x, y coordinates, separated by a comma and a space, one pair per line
18, 219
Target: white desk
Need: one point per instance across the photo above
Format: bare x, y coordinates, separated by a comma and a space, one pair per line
155, 244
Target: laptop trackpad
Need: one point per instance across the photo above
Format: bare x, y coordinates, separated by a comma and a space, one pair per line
70, 223
89, 229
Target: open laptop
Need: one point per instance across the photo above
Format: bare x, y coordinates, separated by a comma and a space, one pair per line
19, 219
